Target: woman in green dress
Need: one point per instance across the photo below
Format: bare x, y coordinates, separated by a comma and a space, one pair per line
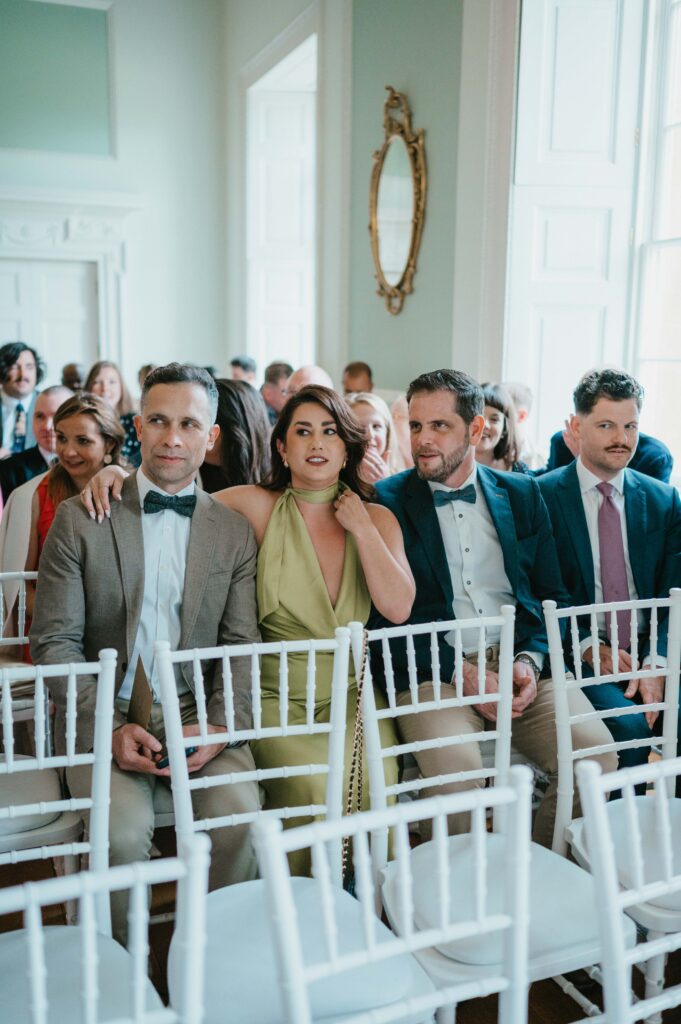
325, 555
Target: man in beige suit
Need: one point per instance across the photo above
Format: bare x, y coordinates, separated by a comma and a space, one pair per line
168, 564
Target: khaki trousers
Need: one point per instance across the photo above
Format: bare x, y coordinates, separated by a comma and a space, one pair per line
131, 823
533, 735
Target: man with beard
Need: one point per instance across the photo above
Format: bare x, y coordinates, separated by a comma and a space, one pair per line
618, 534
476, 539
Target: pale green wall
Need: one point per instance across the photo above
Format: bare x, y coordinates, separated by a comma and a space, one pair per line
54, 78
415, 46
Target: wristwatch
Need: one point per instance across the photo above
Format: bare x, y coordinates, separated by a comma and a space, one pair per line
527, 659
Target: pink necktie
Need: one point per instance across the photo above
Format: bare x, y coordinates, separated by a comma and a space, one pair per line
613, 567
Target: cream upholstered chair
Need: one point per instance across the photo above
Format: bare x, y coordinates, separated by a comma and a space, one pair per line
80, 973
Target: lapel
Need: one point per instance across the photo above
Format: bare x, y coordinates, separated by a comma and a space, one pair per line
202, 537
636, 515
126, 526
571, 507
499, 506
420, 510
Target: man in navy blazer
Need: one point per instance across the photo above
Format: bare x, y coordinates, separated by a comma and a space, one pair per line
476, 539
607, 407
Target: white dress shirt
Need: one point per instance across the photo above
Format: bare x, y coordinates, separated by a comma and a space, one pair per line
592, 499
476, 563
165, 536
9, 412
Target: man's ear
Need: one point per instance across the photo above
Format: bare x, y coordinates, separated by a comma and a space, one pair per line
137, 420
475, 429
575, 422
213, 435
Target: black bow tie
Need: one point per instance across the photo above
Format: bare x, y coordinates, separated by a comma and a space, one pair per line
463, 494
156, 502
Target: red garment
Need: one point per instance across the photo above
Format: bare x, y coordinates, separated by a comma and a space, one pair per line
45, 515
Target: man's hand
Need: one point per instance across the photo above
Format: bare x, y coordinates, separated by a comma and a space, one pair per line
134, 748
471, 688
607, 665
372, 467
204, 754
524, 687
651, 691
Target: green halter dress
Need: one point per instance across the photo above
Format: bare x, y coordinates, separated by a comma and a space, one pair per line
294, 604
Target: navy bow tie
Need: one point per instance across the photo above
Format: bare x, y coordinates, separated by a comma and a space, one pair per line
463, 494
156, 502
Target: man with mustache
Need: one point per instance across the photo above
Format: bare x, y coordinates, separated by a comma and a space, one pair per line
21, 370
476, 539
618, 534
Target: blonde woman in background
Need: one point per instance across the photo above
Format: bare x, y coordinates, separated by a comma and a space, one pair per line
382, 456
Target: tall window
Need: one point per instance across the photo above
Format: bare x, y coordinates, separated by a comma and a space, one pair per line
657, 354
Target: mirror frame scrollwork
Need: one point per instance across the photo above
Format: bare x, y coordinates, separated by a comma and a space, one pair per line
397, 123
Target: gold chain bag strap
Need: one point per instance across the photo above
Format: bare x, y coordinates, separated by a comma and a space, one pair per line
356, 780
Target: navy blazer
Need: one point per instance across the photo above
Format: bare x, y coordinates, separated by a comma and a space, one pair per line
653, 517
651, 457
530, 559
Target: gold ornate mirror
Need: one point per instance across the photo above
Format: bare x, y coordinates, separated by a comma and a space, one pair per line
397, 202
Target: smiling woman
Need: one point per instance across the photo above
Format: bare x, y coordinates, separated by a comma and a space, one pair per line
325, 555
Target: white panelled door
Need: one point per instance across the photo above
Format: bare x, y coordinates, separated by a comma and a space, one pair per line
281, 226
52, 306
572, 196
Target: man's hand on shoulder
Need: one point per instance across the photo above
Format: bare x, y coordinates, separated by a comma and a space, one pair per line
134, 750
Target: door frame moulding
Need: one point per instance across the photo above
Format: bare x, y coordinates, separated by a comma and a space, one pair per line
331, 20
37, 225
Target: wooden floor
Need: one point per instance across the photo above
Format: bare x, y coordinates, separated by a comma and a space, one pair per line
548, 1004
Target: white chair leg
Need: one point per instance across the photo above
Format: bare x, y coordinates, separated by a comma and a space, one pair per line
654, 977
68, 865
446, 1015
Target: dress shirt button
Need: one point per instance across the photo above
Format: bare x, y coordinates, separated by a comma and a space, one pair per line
460, 515
468, 583
480, 611
466, 549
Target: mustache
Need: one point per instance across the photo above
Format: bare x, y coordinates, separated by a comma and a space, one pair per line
618, 447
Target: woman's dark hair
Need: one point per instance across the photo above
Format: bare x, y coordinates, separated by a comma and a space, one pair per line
506, 447
244, 433
60, 485
125, 404
351, 434
10, 353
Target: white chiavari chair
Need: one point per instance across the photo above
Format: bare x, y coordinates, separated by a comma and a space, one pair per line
635, 850
80, 973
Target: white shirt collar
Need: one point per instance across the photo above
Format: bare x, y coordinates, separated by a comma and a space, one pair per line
10, 403
144, 485
470, 479
588, 480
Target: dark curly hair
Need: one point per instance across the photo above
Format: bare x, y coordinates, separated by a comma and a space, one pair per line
614, 384
351, 434
244, 433
10, 353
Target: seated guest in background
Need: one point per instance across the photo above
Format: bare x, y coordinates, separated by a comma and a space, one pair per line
241, 453
618, 534
498, 446
106, 381
108, 586
89, 436
476, 539
306, 375
399, 411
73, 376
21, 370
324, 555
357, 377
23, 466
372, 413
522, 398
144, 372
274, 389
243, 368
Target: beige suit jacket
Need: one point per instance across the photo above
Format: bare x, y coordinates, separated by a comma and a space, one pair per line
91, 586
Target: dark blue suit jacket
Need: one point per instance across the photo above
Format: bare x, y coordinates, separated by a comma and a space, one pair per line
653, 517
530, 559
651, 457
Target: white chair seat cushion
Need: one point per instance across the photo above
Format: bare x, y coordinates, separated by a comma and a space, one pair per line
31, 787
560, 892
63, 953
241, 965
651, 845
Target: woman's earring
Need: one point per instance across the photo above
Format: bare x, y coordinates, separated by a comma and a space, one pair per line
107, 460
345, 462
285, 462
